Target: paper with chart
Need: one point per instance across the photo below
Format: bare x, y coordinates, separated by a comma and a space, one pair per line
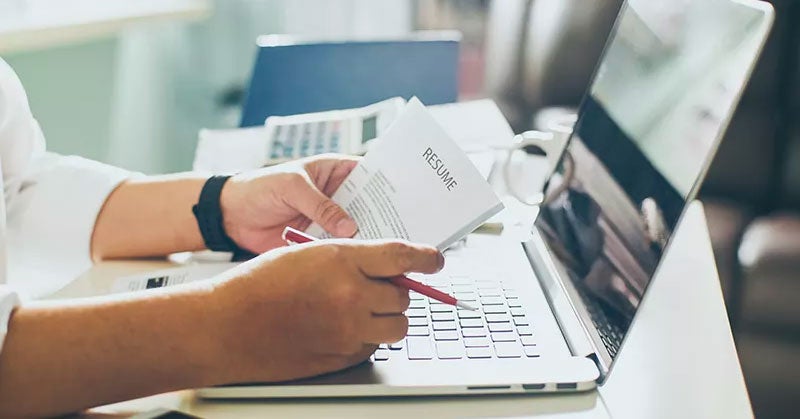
415, 183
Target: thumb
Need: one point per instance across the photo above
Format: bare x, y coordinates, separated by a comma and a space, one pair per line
315, 205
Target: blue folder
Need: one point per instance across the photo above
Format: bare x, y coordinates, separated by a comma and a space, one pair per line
291, 78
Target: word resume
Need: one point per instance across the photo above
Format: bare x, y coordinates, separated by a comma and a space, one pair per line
415, 183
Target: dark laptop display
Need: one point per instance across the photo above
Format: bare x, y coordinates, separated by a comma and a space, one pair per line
646, 131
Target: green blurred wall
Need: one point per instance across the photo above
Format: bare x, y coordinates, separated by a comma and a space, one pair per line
70, 90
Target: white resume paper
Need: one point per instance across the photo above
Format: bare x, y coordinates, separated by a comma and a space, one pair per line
415, 183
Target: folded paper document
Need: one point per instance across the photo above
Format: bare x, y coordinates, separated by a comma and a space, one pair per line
416, 184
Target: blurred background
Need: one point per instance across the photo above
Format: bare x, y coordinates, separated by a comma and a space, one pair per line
131, 83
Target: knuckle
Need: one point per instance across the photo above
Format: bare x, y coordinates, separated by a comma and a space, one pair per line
405, 300
328, 257
400, 329
295, 178
327, 210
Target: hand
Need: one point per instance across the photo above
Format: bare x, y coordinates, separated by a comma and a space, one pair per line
318, 307
257, 205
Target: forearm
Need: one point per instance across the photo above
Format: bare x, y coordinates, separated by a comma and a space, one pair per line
66, 356
149, 217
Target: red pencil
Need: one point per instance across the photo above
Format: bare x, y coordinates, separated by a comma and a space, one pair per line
291, 235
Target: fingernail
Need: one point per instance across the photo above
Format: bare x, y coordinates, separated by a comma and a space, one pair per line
346, 227
441, 260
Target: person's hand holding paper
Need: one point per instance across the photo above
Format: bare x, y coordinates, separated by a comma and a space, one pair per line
415, 184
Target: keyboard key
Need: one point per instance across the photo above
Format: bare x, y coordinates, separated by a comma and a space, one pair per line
500, 327
498, 318
419, 348
474, 333
527, 340
511, 294
477, 342
417, 304
440, 317
461, 280
508, 350
469, 314
521, 321
383, 346
448, 325
416, 312
515, 303
396, 346
441, 308
450, 350
418, 331
495, 309
504, 337
525, 331
381, 355
490, 292
517, 312
466, 296
471, 322
466, 288
417, 321
531, 351
476, 353
445, 335
492, 301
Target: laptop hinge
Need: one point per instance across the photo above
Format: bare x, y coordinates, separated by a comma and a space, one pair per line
571, 317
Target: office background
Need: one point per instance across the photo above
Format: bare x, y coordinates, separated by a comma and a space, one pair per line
135, 96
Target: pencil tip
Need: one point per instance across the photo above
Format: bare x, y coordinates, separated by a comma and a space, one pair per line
466, 306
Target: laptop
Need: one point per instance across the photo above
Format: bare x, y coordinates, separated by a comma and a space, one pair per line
555, 310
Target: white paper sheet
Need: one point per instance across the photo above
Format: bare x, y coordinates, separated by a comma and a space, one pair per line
169, 277
416, 184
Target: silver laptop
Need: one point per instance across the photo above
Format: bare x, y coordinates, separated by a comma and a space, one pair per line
555, 310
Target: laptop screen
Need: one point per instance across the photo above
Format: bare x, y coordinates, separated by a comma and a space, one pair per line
662, 96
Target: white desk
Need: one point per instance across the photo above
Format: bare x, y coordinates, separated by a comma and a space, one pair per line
29, 24
683, 364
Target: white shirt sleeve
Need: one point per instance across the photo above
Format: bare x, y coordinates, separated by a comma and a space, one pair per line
51, 204
51, 219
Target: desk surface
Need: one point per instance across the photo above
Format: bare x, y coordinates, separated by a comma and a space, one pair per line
679, 359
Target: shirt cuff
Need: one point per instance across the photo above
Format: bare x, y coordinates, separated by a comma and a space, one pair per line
8, 301
51, 221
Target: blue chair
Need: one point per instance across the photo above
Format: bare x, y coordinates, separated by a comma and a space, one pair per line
292, 77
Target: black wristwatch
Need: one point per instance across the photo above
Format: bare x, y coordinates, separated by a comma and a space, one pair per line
208, 213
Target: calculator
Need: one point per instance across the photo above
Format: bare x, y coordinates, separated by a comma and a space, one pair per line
346, 131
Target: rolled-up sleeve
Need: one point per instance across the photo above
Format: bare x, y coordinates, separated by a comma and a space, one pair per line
51, 220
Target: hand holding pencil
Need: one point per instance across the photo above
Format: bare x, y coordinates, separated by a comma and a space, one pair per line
291, 235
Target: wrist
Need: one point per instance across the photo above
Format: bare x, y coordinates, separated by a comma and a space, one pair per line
227, 206
208, 212
215, 322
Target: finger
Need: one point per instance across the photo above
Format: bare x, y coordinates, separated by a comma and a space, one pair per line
382, 258
386, 329
331, 363
312, 203
329, 171
385, 298
338, 175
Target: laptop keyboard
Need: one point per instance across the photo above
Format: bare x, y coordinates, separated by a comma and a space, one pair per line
611, 334
499, 329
